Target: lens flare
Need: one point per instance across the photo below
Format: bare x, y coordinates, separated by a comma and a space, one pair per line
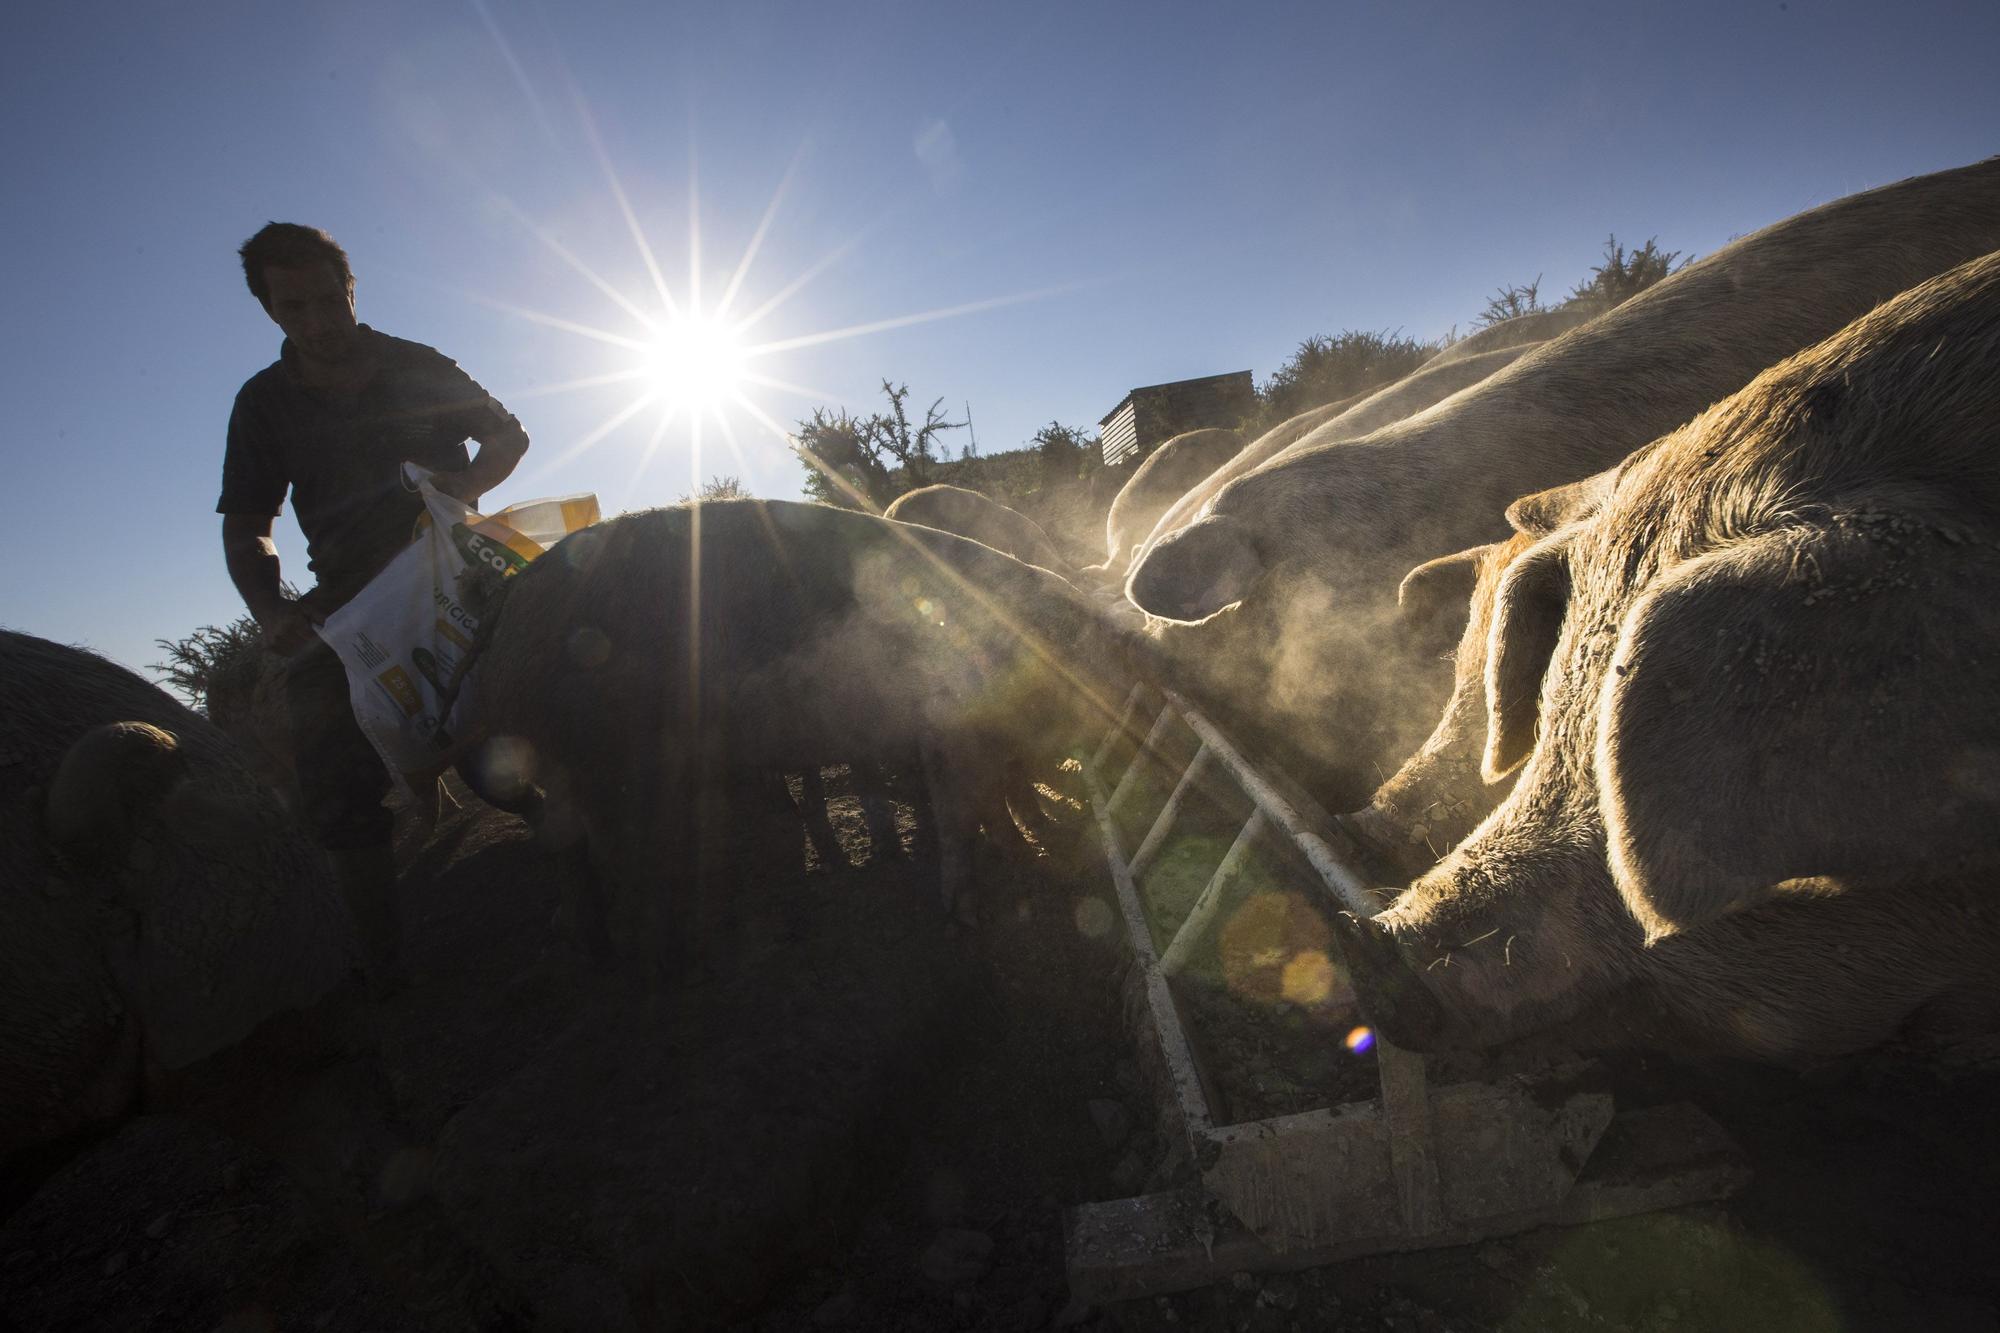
1360, 1041
1308, 978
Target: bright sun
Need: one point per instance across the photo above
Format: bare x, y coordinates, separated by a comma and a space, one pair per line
696, 363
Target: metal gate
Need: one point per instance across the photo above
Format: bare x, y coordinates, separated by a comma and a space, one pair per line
1415, 1167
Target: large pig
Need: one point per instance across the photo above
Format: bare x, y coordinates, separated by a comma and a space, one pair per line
1440, 794
158, 902
1302, 557
1535, 327
1166, 474
654, 658
1753, 705
1431, 383
970, 514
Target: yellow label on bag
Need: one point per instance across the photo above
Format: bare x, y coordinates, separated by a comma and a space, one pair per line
402, 689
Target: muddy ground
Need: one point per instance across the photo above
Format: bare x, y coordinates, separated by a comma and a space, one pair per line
865, 1121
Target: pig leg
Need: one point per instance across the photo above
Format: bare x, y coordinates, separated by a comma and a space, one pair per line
955, 804
819, 829
1025, 801
871, 785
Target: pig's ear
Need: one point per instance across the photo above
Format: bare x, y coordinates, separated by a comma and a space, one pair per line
1527, 617
1195, 572
1543, 512
1801, 705
1433, 598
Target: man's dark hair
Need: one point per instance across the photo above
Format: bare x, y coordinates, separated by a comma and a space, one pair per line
288, 245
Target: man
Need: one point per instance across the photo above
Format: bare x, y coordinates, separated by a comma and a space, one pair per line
332, 421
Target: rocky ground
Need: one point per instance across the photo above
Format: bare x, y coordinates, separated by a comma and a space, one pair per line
864, 1121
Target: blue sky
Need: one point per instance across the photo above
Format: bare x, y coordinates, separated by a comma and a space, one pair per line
1119, 193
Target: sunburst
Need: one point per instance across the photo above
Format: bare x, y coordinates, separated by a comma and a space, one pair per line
690, 363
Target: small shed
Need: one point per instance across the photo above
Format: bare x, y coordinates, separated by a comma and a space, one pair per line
1157, 412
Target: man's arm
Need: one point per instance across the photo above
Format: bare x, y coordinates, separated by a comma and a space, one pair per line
501, 446
252, 558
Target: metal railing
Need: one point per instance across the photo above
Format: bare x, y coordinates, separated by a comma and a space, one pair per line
1403, 1097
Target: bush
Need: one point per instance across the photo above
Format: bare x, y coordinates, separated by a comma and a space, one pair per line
718, 488
1511, 303
1623, 275
865, 462
1330, 367
213, 658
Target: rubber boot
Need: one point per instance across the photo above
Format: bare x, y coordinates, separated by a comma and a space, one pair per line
367, 879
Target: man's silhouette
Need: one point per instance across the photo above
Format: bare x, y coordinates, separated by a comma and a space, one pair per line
332, 421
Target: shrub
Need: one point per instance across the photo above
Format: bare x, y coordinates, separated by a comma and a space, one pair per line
213, 658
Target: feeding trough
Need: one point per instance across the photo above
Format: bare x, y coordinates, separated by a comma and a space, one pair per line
1416, 1165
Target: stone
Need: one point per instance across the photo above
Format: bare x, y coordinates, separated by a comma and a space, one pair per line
1280, 1293
117, 1264
157, 1228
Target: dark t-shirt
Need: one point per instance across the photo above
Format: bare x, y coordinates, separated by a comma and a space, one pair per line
341, 455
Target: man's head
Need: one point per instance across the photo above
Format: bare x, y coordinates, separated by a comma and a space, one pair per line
301, 277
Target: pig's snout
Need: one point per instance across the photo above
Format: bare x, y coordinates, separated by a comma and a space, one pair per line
1394, 1000
1191, 574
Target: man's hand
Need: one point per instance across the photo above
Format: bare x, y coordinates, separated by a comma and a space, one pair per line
461, 486
287, 629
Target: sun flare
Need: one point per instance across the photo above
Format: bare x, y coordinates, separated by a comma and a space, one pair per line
688, 364
696, 362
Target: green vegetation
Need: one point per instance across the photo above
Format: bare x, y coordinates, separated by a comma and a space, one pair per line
865, 462
213, 657
1622, 276
718, 488
1329, 367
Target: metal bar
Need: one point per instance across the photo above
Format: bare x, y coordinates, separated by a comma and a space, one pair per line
1175, 1050
1124, 721
1194, 927
1406, 1108
1159, 729
1346, 884
1157, 834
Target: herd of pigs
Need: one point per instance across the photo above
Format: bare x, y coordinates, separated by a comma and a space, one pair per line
1652, 651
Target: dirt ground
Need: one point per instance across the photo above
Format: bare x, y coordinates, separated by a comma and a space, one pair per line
866, 1121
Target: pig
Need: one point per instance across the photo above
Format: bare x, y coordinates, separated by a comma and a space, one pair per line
1164, 476
1534, 327
161, 904
1280, 595
652, 658
1439, 794
970, 514
1252, 456
1430, 384
1751, 703
1433, 383
171, 940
